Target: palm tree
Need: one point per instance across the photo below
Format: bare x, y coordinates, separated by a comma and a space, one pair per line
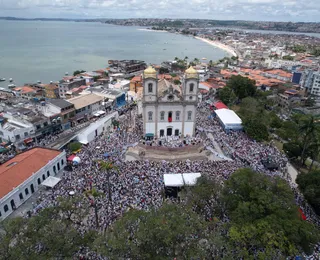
308, 129
93, 194
107, 167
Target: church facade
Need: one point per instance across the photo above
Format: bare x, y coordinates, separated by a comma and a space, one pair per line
168, 109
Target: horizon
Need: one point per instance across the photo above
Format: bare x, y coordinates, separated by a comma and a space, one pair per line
229, 10
162, 18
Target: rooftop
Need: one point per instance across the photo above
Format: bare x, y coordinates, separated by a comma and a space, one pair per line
61, 103
17, 170
85, 100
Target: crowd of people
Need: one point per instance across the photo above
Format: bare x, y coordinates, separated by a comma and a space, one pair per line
139, 184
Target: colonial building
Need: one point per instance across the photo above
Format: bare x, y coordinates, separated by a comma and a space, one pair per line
169, 109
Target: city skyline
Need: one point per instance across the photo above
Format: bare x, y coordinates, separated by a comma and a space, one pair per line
255, 10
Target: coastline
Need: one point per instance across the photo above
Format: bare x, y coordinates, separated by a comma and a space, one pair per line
150, 30
218, 45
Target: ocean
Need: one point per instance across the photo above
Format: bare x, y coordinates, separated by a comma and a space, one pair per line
32, 51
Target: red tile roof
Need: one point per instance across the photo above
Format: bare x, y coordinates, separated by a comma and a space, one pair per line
219, 105
18, 169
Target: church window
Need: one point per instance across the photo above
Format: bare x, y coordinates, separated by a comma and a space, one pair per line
178, 116
162, 115
150, 116
191, 87
189, 115
170, 116
150, 88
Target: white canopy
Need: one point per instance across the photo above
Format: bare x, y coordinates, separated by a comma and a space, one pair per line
99, 113
229, 118
179, 180
51, 181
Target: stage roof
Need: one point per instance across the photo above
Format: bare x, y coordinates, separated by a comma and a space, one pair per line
179, 180
51, 181
228, 117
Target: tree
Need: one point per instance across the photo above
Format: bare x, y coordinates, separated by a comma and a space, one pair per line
46, 236
310, 102
77, 72
107, 167
264, 221
165, 233
308, 129
177, 82
163, 70
255, 129
292, 149
276, 122
74, 146
93, 195
242, 86
309, 185
227, 96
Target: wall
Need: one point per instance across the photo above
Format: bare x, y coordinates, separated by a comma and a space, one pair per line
96, 128
14, 194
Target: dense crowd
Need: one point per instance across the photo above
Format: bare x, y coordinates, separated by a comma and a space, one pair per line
139, 184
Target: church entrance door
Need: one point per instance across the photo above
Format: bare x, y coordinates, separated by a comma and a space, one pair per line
169, 131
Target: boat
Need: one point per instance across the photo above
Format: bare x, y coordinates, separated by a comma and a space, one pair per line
11, 86
2, 79
10, 79
204, 58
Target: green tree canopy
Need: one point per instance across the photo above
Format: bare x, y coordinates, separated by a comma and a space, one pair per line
309, 184
227, 96
74, 146
242, 86
264, 219
165, 233
77, 72
256, 129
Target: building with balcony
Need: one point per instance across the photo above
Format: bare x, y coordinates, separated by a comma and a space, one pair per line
169, 109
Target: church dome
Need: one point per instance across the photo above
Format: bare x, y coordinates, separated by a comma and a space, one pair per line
191, 73
150, 72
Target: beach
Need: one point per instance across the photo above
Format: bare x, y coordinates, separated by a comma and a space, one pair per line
219, 45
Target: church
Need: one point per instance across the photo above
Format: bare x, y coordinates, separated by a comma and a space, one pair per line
168, 109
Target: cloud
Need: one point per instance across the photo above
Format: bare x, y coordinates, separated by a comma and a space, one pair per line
284, 10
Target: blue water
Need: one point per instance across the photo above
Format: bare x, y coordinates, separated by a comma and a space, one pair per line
35, 50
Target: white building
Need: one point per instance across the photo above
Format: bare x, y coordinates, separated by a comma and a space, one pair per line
22, 176
169, 109
15, 130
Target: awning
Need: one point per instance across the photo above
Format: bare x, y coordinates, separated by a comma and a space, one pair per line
71, 157
51, 181
28, 140
149, 135
179, 180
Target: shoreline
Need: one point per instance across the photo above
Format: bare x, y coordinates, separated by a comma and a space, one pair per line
219, 45
150, 30
216, 44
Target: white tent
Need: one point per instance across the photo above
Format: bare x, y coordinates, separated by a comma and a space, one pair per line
179, 180
51, 181
229, 119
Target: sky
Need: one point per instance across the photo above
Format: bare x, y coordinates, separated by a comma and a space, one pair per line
258, 10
